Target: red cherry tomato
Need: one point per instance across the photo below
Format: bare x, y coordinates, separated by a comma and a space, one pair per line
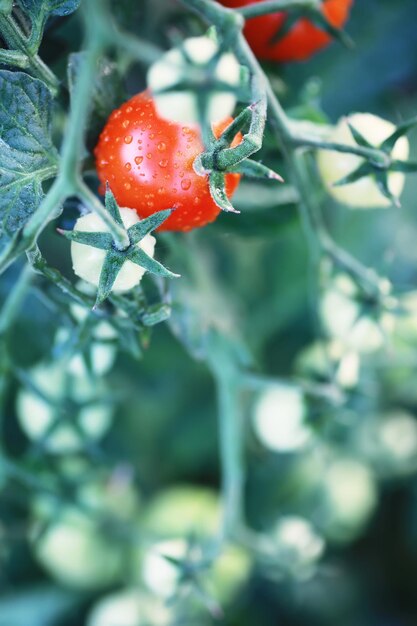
148, 163
303, 39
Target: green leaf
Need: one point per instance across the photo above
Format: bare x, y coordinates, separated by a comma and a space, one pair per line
107, 92
6, 6
139, 257
138, 231
27, 155
49, 7
218, 192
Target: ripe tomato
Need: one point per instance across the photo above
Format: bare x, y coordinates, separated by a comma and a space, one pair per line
300, 42
148, 163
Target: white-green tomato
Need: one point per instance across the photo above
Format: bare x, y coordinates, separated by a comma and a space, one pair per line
72, 543
172, 518
129, 607
333, 166
37, 412
87, 261
194, 60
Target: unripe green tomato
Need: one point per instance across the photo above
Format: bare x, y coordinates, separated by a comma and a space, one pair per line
330, 360
299, 546
334, 166
173, 68
228, 572
87, 261
389, 441
183, 510
36, 415
340, 308
73, 546
76, 555
349, 498
129, 607
172, 518
279, 419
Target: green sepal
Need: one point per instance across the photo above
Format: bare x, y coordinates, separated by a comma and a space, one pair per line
291, 20
138, 231
103, 241
358, 137
218, 192
112, 206
399, 132
239, 123
139, 257
253, 169
113, 263
365, 169
156, 314
381, 179
319, 19
407, 167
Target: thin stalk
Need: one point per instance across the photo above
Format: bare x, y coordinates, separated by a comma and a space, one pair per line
15, 299
231, 443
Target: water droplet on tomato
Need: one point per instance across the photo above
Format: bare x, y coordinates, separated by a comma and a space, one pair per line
185, 184
163, 162
197, 200
125, 123
128, 139
162, 146
129, 109
138, 160
127, 186
128, 166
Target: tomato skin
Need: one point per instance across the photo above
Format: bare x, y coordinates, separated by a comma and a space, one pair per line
303, 40
148, 163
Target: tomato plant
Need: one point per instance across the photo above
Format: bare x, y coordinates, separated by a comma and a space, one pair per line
302, 39
173, 450
149, 163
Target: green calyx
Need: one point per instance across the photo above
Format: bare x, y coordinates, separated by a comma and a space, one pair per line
220, 158
381, 163
115, 259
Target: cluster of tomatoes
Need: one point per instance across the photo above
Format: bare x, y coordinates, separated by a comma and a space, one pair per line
148, 160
